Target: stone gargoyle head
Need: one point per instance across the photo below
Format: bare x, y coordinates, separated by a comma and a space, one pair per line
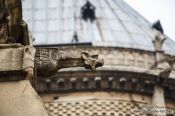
91, 61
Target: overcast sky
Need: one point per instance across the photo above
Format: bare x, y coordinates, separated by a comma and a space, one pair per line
157, 9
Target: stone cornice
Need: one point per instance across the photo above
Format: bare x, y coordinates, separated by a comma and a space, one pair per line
104, 81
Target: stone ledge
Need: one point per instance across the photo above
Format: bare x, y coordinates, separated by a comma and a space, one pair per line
11, 58
14, 60
15, 45
14, 75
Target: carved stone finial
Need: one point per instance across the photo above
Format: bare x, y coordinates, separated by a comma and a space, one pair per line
158, 42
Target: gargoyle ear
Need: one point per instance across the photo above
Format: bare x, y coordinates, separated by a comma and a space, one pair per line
84, 55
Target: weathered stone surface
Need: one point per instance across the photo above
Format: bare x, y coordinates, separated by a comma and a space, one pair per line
14, 57
95, 103
11, 57
75, 88
98, 103
159, 99
18, 98
15, 30
49, 61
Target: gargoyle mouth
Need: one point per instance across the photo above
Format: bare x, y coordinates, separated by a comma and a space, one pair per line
100, 63
94, 64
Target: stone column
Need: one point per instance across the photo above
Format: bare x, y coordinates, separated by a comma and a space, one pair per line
17, 96
158, 99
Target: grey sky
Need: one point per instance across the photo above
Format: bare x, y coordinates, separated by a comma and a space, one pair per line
157, 9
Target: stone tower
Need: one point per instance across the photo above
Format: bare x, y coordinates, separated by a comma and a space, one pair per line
139, 58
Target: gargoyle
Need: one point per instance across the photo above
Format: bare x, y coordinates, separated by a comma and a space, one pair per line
16, 29
158, 42
49, 61
165, 73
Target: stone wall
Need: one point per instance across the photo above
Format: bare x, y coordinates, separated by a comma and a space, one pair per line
17, 96
99, 104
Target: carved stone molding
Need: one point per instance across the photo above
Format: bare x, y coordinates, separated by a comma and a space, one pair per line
103, 81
